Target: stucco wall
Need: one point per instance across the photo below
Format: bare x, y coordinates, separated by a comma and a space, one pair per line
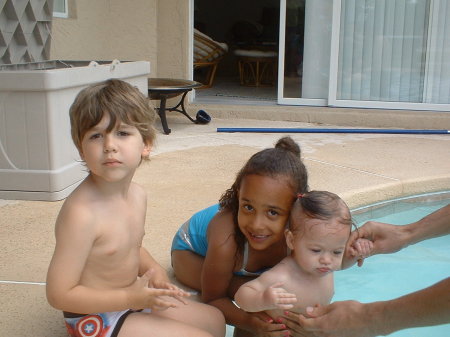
173, 38
150, 30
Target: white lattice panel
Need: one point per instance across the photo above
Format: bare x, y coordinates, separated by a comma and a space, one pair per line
25, 30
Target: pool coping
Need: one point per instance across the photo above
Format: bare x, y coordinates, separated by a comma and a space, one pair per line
392, 191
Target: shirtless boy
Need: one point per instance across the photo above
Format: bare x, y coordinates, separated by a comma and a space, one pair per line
100, 276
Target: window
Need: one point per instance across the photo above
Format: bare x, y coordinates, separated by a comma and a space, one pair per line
60, 9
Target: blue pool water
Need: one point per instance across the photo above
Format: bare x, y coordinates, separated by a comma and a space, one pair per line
384, 277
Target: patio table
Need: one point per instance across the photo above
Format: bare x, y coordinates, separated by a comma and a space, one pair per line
163, 88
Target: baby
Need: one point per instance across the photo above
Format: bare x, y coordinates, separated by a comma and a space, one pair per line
320, 225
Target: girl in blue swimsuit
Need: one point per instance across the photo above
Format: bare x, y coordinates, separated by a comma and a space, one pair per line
227, 244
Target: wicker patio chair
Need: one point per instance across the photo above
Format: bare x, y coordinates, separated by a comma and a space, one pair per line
207, 54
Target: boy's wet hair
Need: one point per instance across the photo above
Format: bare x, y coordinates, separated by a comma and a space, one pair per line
322, 205
281, 162
120, 100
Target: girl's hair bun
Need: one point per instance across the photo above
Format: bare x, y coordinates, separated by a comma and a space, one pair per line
288, 144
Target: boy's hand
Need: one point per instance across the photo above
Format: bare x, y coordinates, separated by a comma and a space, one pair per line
141, 296
158, 278
277, 297
161, 281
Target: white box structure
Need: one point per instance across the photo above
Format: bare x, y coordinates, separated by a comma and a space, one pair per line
38, 160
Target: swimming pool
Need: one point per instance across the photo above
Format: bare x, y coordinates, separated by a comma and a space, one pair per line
384, 277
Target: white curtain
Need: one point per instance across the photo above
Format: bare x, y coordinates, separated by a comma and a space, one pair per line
316, 55
437, 74
382, 52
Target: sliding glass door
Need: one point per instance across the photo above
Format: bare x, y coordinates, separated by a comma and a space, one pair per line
368, 53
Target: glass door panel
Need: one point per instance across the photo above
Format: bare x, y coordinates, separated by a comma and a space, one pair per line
304, 51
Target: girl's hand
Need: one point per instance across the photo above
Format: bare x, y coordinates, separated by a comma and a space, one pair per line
277, 297
141, 296
291, 321
264, 326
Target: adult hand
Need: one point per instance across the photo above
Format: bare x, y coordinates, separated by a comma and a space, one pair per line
386, 238
345, 318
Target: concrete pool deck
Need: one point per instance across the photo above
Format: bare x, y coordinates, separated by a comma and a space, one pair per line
189, 169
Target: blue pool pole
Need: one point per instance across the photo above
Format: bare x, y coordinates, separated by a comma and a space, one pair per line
325, 130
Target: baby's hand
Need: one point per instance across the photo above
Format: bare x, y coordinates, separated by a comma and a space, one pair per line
140, 296
277, 297
363, 248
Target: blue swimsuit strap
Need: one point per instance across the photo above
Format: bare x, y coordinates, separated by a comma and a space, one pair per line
245, 258
244, 272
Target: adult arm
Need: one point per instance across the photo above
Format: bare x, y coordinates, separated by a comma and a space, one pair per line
426, 307
433, 225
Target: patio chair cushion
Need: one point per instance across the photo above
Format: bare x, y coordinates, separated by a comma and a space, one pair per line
207, 53
206, 49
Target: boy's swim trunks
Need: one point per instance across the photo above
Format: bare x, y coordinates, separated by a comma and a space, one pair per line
106, 324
